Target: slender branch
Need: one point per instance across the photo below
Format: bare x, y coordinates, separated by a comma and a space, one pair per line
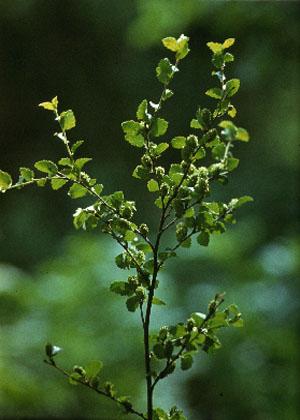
128, 408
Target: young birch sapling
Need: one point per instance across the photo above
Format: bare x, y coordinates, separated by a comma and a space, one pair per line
180, 192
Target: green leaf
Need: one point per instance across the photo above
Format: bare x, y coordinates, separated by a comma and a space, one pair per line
219, 320
158, 127
186, 361
159, 351
77, 191
132, 133
152, 185
180, 45
231, 111
46, 166
41, 182
232, 86
195, 124
67, 120
76, 145
228, 42
159, 414
198, 317
171, 43
65, 162
141, 112
157, 301
200, 154
203, 238
93, 368
75, 378
79, 163
238, 202
47, 105
218, 151
242, 134
5, 181
189, 212
228, 57
161, 147
232, 163
27, 174
215, 47
183, 47
186, 243
214, 93
57, 183
178, 142
165, 71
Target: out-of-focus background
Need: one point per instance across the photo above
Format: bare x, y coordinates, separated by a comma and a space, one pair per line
99, 57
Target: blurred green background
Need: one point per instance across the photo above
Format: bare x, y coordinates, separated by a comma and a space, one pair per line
99, 57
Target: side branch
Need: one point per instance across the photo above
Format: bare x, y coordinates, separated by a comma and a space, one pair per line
128, 408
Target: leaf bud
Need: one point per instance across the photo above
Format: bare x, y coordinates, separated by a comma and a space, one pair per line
79, 369
144, 229
164, 189
192, 181
192, 141
206, 116
159, 172
181, 231
126, 212
183, 192
146, 161
140, 292
191, 324
163, 333
178, 207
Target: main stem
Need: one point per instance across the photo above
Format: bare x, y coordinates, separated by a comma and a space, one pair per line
146, 323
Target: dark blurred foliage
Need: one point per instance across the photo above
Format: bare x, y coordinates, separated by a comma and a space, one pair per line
99, 57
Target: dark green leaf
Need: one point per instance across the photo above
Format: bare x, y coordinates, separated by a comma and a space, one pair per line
203, 238
119, 287
132, 303
186, 361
